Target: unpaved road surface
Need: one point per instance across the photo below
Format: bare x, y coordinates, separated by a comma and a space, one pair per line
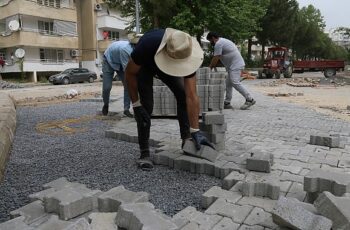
331, 99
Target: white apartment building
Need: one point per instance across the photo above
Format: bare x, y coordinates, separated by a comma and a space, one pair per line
46, 30
340, 38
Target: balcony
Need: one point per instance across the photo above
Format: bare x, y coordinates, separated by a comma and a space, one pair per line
109, 22
36, 39
32, 8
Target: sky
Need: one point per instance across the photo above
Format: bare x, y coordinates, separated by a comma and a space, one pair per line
336, 13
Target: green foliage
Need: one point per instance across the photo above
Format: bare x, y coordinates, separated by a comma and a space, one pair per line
273, 22
279, 23
236, 19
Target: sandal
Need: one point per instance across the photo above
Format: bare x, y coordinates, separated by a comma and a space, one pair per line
145, 164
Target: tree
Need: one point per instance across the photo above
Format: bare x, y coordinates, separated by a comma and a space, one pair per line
234, 19
311, 42
279, 23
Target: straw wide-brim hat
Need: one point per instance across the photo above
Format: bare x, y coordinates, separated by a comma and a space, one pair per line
179, 54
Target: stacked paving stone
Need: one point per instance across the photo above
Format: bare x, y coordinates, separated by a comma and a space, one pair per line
214, 126
210, 89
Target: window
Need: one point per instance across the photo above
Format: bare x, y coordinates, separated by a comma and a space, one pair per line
51, 55
2, 54
50, 3
45, 27
113, 35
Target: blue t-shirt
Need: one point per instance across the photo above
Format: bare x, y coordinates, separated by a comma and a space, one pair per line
118, 54
146, 49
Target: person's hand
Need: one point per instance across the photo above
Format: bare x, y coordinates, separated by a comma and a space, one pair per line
199, 139
141, 116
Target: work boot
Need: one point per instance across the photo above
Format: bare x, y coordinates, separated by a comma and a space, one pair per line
247, 104
128, 114
228, 106
105, 110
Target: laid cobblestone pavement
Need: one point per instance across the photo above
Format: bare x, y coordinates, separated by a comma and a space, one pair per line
270, 126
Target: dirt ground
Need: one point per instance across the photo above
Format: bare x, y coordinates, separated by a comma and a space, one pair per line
325, 97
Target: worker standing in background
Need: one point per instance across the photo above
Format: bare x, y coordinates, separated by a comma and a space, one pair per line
227, 52
115, 59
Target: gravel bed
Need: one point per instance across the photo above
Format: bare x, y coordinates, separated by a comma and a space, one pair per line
89, 158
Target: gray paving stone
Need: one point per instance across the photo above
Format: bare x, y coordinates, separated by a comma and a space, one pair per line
80, 224
289, 214
31, 212
62, 183
111, 200
257, 185
260, 162
216, 192
40, 195
191, 217
291, 169
214, 128
71, 202
166, 158
213, 118
54, 223
205, 152
336, 209
226, 224
318, 180
194, 165
286, 176
326, 140
264, 203
15, 224
301, 196
139, 216
247, 227
236, 212
103, 221
260, 217
224, 168
231, 179
191, 226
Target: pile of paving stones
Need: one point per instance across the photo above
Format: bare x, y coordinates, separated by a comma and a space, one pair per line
210, 90
8, 85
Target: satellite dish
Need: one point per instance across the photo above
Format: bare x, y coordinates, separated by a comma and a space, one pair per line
19, 53
14, 25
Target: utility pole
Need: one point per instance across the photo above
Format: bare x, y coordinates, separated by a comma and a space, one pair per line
137, 16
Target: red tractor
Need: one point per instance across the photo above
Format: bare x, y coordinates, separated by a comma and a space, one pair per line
277, 62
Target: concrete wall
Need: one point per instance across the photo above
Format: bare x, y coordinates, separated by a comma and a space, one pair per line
7, 129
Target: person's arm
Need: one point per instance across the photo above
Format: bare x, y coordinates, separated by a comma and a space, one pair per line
214, 62
131, 80
192, 101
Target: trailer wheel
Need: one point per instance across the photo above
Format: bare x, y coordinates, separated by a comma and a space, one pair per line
330, 72
260, 74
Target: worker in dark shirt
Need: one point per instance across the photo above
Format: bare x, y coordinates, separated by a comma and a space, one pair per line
174, 56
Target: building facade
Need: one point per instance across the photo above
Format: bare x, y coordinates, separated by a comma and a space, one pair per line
47, 32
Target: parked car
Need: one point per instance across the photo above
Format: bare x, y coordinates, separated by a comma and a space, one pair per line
72, 76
